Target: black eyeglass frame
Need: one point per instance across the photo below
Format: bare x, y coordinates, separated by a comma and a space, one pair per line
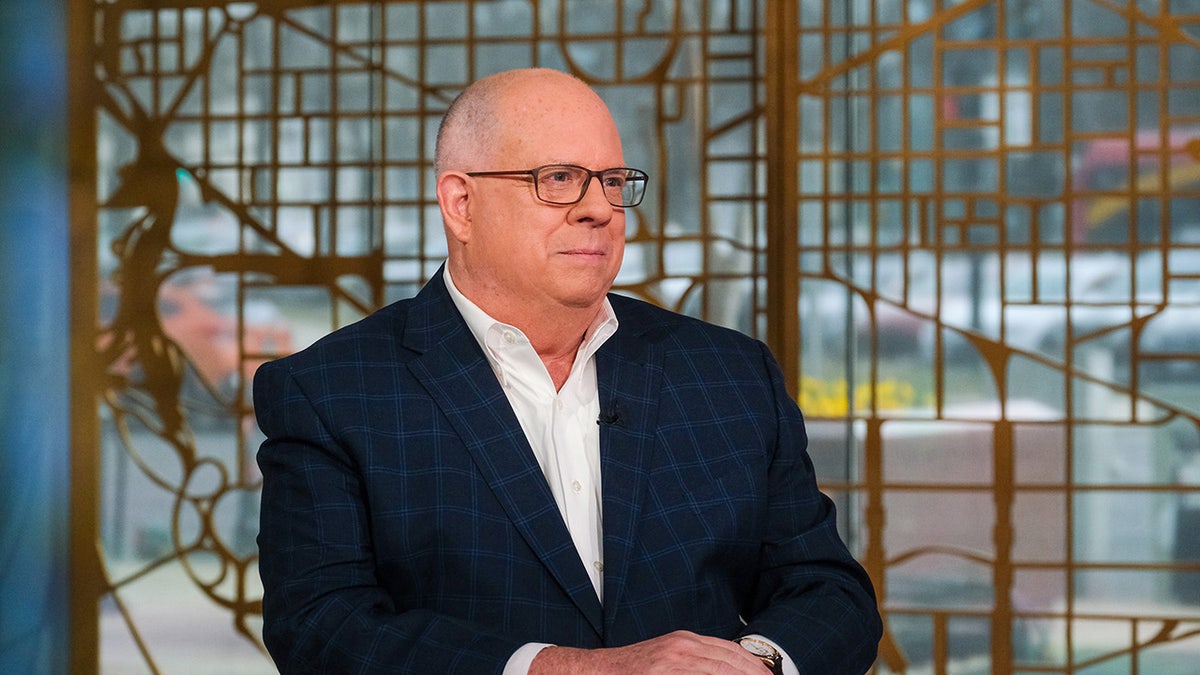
637, 175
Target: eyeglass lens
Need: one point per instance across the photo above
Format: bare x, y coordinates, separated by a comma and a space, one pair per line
566, 184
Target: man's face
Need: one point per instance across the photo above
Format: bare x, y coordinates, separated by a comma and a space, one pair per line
533, 254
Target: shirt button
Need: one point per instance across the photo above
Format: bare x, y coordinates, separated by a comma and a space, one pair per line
577, 486
599, 566
510, 337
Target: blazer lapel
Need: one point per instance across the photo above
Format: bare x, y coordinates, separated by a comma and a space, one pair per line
458, 376
628, 369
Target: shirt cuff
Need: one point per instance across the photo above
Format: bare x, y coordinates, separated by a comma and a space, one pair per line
789, 666
522, 659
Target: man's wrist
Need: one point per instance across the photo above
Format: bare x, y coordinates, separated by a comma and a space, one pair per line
521, 662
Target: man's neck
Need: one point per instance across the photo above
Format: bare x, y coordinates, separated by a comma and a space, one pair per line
555, 333
558, 354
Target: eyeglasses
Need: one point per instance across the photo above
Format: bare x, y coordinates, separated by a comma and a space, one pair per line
565, 184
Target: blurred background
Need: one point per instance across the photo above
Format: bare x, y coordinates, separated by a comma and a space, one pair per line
34, 327
968, 229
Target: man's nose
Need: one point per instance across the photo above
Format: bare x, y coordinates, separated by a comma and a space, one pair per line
594, 199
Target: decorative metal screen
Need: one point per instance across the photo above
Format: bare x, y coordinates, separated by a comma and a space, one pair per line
985, 215
999, 269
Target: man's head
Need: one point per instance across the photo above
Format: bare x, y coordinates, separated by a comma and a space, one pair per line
511, 252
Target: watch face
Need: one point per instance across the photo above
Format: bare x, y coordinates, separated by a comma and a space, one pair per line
759, 649
756, 648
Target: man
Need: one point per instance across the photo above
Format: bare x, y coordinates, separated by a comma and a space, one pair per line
515, 471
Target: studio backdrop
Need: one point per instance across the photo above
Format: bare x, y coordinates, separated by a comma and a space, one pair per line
969, 230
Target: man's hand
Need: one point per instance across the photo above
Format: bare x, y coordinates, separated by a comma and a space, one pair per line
678, 652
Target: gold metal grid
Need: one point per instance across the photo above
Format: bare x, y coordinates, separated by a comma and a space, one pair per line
956, 137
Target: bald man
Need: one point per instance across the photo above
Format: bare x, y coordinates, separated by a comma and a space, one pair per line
516, 471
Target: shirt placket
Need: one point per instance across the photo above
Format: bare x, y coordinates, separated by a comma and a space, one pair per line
577, 482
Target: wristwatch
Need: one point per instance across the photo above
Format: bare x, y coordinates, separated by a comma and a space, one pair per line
765, 652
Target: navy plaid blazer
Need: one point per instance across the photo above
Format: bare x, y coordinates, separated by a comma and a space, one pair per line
407, 527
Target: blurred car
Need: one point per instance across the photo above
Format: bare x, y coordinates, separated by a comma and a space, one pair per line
1088, 299
889, 301
901, 303
1169, 346
198, 310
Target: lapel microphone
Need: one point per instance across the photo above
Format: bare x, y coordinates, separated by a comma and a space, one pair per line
610, 416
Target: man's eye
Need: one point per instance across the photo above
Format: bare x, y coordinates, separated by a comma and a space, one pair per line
614, 181
559, 177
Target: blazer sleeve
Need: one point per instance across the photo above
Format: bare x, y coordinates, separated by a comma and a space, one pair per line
811, 596
324, 610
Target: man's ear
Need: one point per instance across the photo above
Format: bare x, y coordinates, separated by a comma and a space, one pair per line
454, 198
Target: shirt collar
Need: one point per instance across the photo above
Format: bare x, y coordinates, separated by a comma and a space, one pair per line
480, 323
